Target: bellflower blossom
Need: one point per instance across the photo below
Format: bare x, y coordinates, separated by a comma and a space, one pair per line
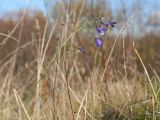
112, 24
98, 42
109, 23
101, 30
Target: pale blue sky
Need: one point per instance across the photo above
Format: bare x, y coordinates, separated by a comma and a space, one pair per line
13, 5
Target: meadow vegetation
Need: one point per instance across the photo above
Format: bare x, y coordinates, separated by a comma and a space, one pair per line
44, 75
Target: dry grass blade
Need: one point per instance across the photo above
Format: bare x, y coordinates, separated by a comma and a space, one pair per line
19, 102
74, 94
148, 77
79, 110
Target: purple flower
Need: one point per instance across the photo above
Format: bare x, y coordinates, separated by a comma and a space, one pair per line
112, 23
109, 23
101, 30
98, 42
82, 50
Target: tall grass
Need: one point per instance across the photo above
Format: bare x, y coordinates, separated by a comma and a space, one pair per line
44, 76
